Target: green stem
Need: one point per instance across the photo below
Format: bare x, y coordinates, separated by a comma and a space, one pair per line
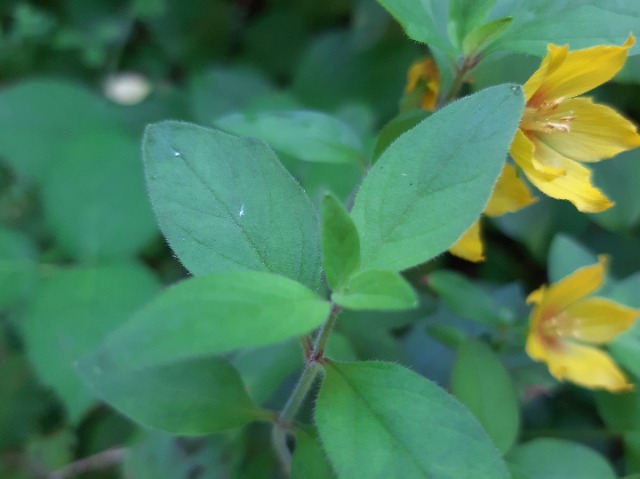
313, 359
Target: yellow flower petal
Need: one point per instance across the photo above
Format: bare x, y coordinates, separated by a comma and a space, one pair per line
469, 247
509, 194
598, 320
575, 185
557, 297
595, 132
555, 56
537, 295
522, 150
424, 74
586, 366
579, 72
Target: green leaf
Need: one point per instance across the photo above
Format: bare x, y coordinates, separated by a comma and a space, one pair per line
576, 22
547, 458
396, 127
482, 383
73, 311
40, 116
309, 460
421, 21
619, 180
221, 91
482, 36
433, 182
95, 200
18, 267
214, 314
566, 255
379, 419
626, 349
376, 290
340, 243
264, 369
189, 397
465, 298
305, 135
465, 16
226, 204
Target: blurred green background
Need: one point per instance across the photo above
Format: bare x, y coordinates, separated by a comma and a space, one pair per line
80, 249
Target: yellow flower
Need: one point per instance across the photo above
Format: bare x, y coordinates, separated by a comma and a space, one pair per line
557, 130
566, 326
423, 77
509, 194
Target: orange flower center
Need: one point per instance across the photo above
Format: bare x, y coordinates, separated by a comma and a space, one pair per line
555, 326
545, 118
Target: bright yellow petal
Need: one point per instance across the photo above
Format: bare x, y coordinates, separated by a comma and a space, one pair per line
555, 56
522, 150
581, 71
574, 186
595, 132
586, 366
536, 296
558, 296
509, 194
535, 348
469, 247
598, 320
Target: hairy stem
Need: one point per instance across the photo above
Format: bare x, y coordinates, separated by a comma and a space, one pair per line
313, 365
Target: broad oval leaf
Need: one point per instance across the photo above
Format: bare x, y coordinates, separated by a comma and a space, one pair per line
482, 383
430, 185
94, 198
39, 116
379, 419
576, 22
302, 134
226, 203
213, 314
189, 397
548, 458
72, 313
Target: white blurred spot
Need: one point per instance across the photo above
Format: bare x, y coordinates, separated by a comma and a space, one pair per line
127, 88
241, 214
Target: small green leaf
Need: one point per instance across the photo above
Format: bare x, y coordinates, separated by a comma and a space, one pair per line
433, 182
465, 16
482, 383
214, 314
340, 243
72, 313
189, 397
547, 458
379, 419
482, 36
465, 298
305, 135
376, 290
227, 204
309, 460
